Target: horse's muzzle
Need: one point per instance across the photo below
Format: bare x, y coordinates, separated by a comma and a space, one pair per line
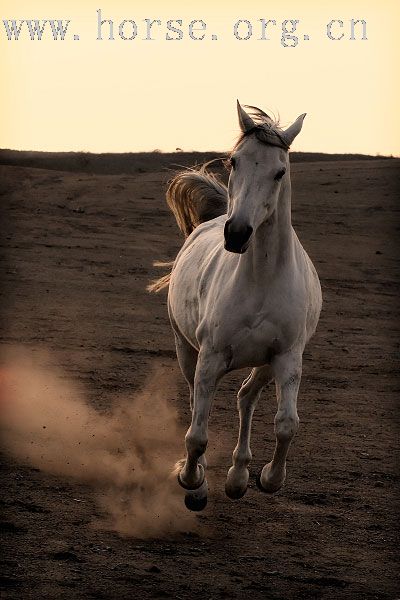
237, 238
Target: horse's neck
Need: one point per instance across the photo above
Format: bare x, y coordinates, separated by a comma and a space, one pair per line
273, 244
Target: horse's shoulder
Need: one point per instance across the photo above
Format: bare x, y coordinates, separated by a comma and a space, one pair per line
200, 243
203, 233
212, 225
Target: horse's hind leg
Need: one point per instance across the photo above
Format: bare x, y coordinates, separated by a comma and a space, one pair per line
249, 393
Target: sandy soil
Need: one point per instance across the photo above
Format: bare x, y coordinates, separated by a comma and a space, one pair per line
77, 255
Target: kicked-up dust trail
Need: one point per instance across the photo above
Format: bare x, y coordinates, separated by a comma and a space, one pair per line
126, 455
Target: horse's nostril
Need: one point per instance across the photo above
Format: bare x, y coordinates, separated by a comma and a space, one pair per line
235, 239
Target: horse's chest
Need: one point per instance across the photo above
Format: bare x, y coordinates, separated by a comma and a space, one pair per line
248, 335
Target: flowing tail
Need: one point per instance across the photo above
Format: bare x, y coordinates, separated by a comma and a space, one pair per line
194, 196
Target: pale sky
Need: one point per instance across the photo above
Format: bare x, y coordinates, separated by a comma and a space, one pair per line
135, 95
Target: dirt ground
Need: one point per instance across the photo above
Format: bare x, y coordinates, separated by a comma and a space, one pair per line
77, 254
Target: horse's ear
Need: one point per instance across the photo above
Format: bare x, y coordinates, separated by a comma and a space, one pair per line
246, 123
294, 129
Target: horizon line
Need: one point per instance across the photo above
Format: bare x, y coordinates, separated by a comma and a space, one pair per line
183, 151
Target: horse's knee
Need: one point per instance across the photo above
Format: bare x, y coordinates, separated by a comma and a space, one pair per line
286, 426
196, 442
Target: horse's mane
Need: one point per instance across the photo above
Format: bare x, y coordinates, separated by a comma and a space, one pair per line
194, 195
267, 129
261, 118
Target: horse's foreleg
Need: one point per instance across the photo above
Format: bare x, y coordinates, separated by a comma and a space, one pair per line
287, 373
249, 393
187, 359
209, 370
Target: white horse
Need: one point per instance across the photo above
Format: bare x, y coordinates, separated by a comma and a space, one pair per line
242, 293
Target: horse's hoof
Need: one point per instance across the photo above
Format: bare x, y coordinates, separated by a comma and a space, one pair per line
196, 500
236, 483
196, 487
235, 493
195, 504
270, 488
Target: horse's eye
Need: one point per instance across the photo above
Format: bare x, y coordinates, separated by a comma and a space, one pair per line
232, 162
280, 174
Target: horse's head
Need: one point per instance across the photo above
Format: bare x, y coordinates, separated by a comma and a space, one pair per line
259, 170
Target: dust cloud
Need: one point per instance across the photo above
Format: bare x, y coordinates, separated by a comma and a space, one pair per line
126, 455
